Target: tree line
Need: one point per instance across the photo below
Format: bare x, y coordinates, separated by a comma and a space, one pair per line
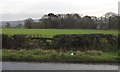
74, 21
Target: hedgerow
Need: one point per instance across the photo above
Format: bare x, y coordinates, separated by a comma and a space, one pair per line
104, 42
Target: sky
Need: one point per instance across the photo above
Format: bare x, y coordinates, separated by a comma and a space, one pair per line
22, 9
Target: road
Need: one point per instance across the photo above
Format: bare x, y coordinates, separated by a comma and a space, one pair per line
56, 66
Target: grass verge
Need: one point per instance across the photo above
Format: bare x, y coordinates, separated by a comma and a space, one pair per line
54, 56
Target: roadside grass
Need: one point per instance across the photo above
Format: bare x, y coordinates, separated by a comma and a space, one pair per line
55, 56
52, 32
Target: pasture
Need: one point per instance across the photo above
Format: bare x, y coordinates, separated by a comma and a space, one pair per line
52, 32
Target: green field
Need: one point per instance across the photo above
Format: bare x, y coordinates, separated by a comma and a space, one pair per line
52, 32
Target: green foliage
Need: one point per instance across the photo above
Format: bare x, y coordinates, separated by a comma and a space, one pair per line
93, 52
104, 42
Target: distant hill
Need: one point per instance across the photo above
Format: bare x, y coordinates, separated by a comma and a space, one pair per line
14, 23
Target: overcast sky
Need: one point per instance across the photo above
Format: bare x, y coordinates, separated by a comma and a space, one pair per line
22, 9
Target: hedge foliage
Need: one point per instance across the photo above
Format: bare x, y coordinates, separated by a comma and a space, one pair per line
104, 42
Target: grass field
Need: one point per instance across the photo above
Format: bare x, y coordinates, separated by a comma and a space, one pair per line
52, 32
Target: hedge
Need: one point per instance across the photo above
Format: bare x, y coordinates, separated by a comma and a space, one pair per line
104, 42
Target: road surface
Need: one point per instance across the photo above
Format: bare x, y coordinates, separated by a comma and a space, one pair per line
56, 66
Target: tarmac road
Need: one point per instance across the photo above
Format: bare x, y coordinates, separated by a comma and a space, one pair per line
55, 66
